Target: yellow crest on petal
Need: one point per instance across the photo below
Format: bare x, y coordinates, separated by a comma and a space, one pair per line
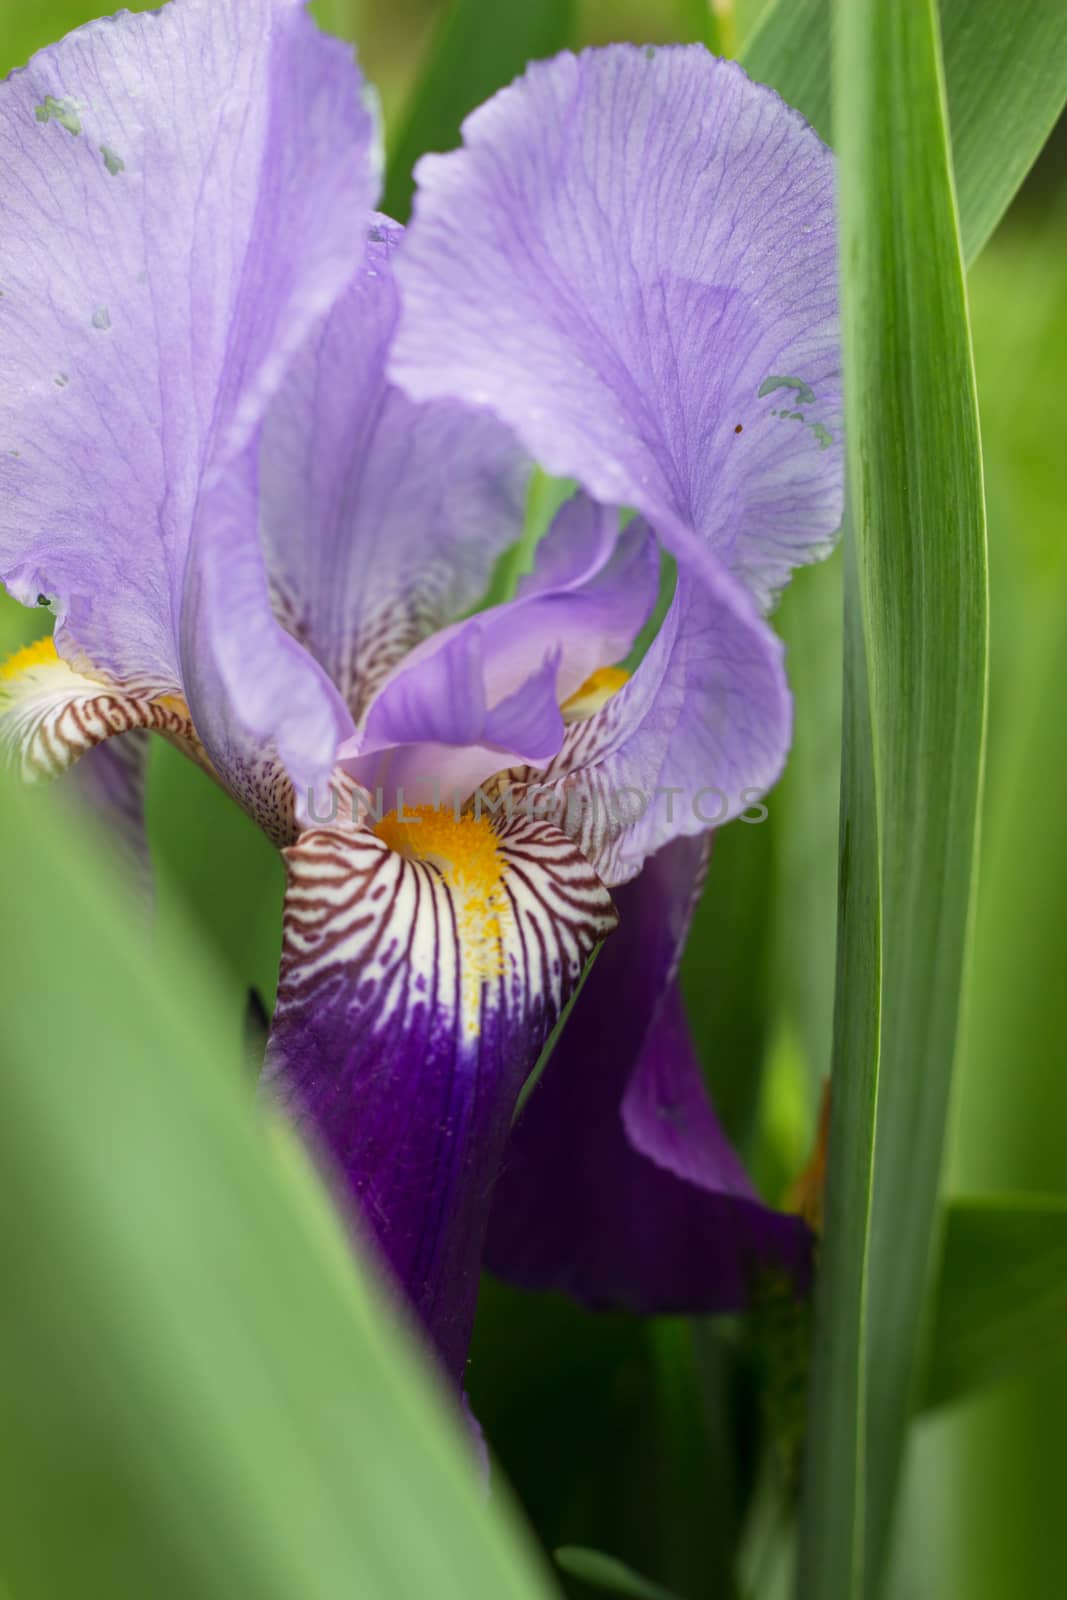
42, 653
466, 851
595, 692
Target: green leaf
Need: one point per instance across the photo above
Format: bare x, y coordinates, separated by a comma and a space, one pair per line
916, 624
213, 866
606, 1572
724, 969
1001, 1302
480, 46
1006, 72
203, 1393
804, 816
695, 23
24, 29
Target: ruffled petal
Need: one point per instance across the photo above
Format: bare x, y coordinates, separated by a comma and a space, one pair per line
618, 1186
632, 261
381, 519
423, 967
183, 194
698, 733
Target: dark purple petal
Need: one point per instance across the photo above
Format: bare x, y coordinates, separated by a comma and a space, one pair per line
184, 194
381, 519
416, 992
699, 732
632, 262
618, 1186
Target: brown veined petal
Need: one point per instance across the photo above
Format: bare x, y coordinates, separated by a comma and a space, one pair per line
424, 965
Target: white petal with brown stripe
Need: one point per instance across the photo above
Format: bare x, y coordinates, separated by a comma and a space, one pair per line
444, 904
424, 964
50, 713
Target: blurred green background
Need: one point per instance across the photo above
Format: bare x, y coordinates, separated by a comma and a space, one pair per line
645, 1440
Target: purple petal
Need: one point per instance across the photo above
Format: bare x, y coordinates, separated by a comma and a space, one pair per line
618, 1186
699, 732
262, 705
432, 728
632, 261
381, 519
183, 196
470, 701
575, 548
416, 992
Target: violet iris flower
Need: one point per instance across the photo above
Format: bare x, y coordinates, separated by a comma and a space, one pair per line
260, 453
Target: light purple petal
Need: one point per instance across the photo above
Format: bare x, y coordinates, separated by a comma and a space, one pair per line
183, 195
632, 261
413, 1002
590, 593
263, 706
485, 694
575, 548
432, 726
618, 1186
699, 732
381, 519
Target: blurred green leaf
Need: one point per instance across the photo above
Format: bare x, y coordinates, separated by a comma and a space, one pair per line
915, 602
724, 972
26, 28
605, 1572
988, 1475
480, 45
1009, 1133
214, 867
1001, 1301
804, 812
696, 24
203, 1394
1006, 74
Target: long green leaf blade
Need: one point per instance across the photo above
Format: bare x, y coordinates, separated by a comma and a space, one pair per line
1000, 114
202, 1395
831, 1548
910, 804
480, 46
1006, 72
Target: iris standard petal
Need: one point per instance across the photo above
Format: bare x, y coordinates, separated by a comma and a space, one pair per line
618, 1186
632, 261
698, 733
423, 966
381, 519
183, 194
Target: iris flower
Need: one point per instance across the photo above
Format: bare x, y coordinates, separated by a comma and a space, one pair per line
260, 454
